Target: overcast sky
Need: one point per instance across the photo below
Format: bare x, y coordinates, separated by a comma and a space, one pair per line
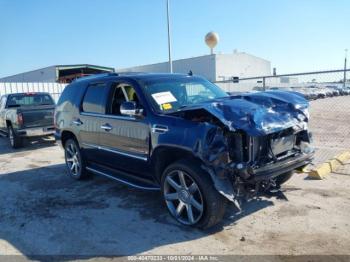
295, 35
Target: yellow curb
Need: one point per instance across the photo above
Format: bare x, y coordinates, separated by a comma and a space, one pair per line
343, 157
328, 167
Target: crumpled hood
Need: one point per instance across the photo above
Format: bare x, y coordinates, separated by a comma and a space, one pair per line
260, 113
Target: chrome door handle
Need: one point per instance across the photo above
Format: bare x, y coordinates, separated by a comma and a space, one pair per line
106, 127
159, 129
77, 122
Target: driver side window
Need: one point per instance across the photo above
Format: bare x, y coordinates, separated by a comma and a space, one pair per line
121, 93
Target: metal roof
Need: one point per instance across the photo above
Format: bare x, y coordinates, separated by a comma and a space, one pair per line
64, 67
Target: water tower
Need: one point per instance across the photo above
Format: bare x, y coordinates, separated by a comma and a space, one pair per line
212, 39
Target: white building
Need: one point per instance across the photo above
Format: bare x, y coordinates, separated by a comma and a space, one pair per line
214, 67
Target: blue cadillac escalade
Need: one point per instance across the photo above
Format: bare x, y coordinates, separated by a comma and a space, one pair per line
184, 136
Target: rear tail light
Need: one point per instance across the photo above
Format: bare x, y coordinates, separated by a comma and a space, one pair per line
20, 119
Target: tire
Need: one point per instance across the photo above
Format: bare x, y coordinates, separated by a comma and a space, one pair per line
14, 139
281, 179
74, 160
195, 195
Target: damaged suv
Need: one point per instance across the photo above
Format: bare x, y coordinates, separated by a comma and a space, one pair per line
184, 136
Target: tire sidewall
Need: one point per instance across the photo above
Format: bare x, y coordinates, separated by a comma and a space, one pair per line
10, 133
203, 181
284, 178
79, 175
16, 141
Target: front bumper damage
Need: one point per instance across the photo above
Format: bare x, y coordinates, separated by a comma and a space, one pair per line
236, 179
272, 170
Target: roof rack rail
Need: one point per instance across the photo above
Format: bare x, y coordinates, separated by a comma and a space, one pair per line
113, 74
91, 77
94, 76
132, 73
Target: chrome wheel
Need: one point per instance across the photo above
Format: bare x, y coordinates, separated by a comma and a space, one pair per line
73, 159
183, 197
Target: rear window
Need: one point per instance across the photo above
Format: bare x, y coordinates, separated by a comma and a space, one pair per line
94, 99
20, 100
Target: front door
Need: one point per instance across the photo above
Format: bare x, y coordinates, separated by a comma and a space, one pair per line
124, 140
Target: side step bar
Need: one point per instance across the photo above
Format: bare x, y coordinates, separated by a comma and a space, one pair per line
98, 172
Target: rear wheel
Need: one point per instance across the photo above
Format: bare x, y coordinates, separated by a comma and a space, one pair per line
190, 195
14, 139
74, 161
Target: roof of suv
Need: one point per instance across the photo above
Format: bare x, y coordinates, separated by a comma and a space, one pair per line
133, 75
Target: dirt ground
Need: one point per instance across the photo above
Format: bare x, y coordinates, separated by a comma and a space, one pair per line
44, 212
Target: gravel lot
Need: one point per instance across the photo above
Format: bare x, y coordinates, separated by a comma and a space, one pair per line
43, 212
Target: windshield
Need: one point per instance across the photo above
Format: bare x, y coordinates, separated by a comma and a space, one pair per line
169, 95
30, 99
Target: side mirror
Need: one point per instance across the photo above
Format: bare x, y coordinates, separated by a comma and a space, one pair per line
129, 108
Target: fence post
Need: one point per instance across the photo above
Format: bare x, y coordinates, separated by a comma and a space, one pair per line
345, 71
264, 84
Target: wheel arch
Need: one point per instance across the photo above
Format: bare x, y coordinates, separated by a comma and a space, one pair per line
65, 135
163, 156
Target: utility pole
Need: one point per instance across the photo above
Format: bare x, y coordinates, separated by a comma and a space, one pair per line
169, 38
346, 56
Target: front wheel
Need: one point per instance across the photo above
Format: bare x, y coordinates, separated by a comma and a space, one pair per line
74, 160
281, 179
190, 195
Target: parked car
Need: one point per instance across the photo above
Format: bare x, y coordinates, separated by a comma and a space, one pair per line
281, 88
302, 91
329, 92
24, 115
184, 136
338, 90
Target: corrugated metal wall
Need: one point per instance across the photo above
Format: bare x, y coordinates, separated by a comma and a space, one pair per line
55, 89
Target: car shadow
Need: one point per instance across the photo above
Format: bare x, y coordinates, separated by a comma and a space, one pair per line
28, 144
46, 213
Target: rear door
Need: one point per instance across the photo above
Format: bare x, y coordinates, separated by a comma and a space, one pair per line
124, 140
88, 121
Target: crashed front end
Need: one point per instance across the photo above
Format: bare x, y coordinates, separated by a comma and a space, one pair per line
251, 139
262, 158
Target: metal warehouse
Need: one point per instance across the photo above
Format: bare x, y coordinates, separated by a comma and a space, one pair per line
214, 67
57, 73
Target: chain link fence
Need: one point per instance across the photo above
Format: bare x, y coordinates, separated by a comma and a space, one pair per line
329, 95
319, 79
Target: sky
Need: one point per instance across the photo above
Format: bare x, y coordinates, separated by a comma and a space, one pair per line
295, 35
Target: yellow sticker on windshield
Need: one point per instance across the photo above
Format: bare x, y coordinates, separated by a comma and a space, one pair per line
167, 106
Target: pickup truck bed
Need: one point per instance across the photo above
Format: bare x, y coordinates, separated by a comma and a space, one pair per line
33, 119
